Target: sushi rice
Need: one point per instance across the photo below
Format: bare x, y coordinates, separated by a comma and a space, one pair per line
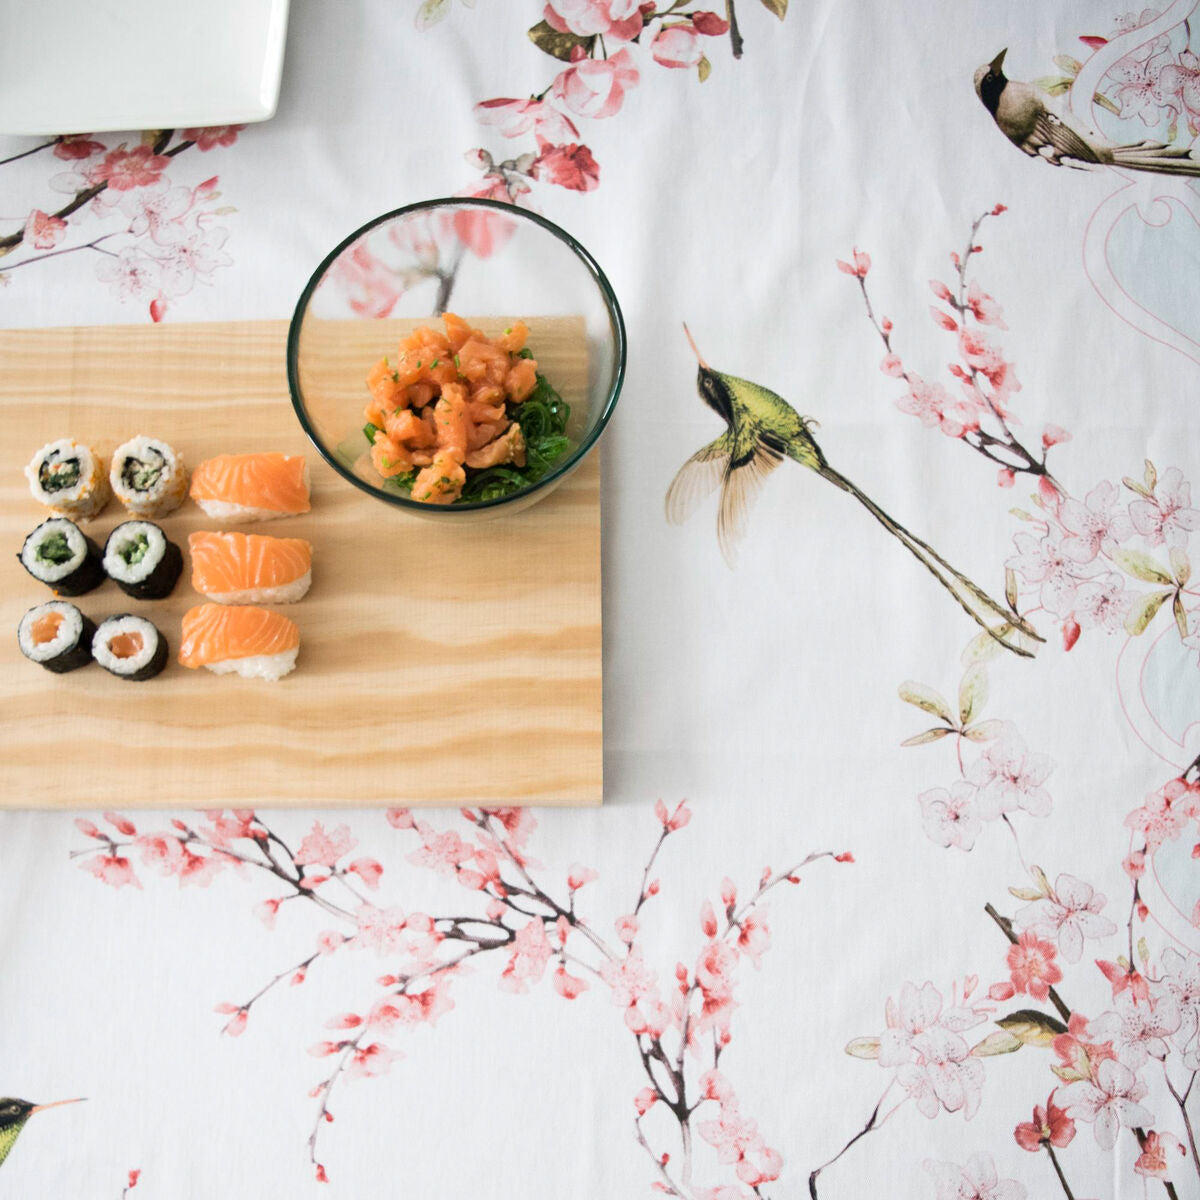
148, 477
59, 554
130, 647
257, 666
141, 561
69, 478
57, 636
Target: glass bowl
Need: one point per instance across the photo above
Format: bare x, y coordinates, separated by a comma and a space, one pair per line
492, 264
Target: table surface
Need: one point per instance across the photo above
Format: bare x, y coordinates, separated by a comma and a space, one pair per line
997, 895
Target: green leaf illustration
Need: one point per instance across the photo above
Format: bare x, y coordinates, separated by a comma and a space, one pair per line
1024, 893
1151, 476
983, 646
972, 694
984, 731
1031, 1027
1101, 99
1072, 66
927, 699
930, 735
1054, 85
864, 1047
998, 1042
1181, 621
1134, 486
1144, 611
1020, 514
1180, 566
431, 12
1011, 594
1040, 876
558, 45
778, 7
703, 68
1141, 566
1143, 951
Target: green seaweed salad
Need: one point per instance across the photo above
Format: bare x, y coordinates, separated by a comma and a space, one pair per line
542, 416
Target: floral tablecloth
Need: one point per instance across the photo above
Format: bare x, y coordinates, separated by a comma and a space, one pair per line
895, 889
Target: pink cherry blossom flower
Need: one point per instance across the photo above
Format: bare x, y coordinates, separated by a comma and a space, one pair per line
619, 20
1009, 777
977, 1180
578, 875
368, 870
1077, 1057
370, 1061
1153, 1162
514, 118
518, 825
673, 821
1032, 967
531, 951
1169, 516
571, 167
223, 831
596, 88
1069, 915
981, 356
1103, 602
112, 869
754, 937
324, 849
1091, 525
1122, 977
1181, 981
1158, 820
1042, 561
935, 408
236, 1025
192, 257
74, 146
123, 169
859, 266
731, 1135
948, 817
944, 1074
267, 911
409, 1009
1052, 435
131, 273
1180, 81
983, 307
372, 290
1107, 1103
568, 986
627, 928
890, 364
157, 210
1050, 1125
42, 231
916, 1010
1139, 1031
634, 988
677, 46
1140, 91
644, 1101
380, 929
213, 136
441, 852
400, 818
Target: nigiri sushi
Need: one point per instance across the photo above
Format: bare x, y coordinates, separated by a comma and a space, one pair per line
252, 642
251, 487
240, 568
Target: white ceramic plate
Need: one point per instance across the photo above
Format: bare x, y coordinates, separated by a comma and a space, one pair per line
86, 66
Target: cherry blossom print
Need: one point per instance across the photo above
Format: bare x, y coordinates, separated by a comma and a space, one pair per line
1043, 561
324, 848
131, 273
192, 259
1078, 1057
571, 167
72, 147
1158, 1157
1181, 982
513, 118
1069, 915
213, 136
123, 169
1166, 516
1139, 1030
1139, 91
976, 1180
1108, 1103
620, 20
1008, 777
112, 869
1103, 603
370, 1061
1091, 524
42, 231
1179, 83
1032, 966
1158, 820
1049, 1124
527, 963
595, 88
371, 288
677, 46
948, 816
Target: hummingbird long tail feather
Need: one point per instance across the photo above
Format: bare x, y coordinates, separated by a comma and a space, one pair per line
1014, 633
1156, 157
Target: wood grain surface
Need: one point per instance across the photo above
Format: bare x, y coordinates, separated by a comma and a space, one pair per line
438, 665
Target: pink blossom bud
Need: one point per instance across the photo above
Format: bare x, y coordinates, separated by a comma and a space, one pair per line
844, 857
708, 920
627, 928
325, 1049
652, 890
400, 818
644, 1101
891, 365
940, 290
1070, 632
121, 824
321, 1176
1053, 434
886, 325
344, 1021
495, 910
1001, 991
1003, 208
709, 24
134, 1176
728, 892
945, 320
1005, 477
237, 1024
86, 827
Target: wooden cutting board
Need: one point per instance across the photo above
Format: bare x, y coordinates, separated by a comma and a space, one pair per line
437, 665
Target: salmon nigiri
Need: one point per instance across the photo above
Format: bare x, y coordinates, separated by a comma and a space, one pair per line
253, 642
240, 568
251, 487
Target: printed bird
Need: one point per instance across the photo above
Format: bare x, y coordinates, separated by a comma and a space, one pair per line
1022, 116
762, 429
14, 1114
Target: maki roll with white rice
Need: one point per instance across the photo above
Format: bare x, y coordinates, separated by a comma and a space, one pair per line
57, 636
69, 478
59, 554
141, 561
130, 648
148, 477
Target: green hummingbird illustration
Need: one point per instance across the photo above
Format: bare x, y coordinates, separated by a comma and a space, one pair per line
14, 1114
762, 429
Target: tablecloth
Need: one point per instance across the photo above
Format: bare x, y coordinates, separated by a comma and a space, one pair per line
880, 903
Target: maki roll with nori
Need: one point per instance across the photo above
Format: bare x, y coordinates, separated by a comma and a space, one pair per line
57, 636
141, 561
69, 478
130, 648
59, 554
148, 477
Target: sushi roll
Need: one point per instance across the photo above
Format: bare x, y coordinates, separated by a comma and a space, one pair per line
252, 642
140, 560
148, 477
239, 568
57, 636
251, 487
130, 648
59, 554
69, 478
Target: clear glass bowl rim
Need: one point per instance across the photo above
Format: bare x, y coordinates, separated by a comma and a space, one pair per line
580, 252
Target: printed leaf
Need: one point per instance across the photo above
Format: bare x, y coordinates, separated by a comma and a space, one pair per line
778, 7
1151, 476
1181, 568
1143, 950
1033, 1028
864, 1047
703, 68
983, 646
1134, 486
972, 694
1055, 85
150, 136
927, 699
998, 1042
1173, 129
1072, 66
1144, 611
984, 731
558, 45
1020, 514
1140, 565
1025, 893
1101, 99
923, 739
430, 13
1181, 621
1011, 594
1040, 876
